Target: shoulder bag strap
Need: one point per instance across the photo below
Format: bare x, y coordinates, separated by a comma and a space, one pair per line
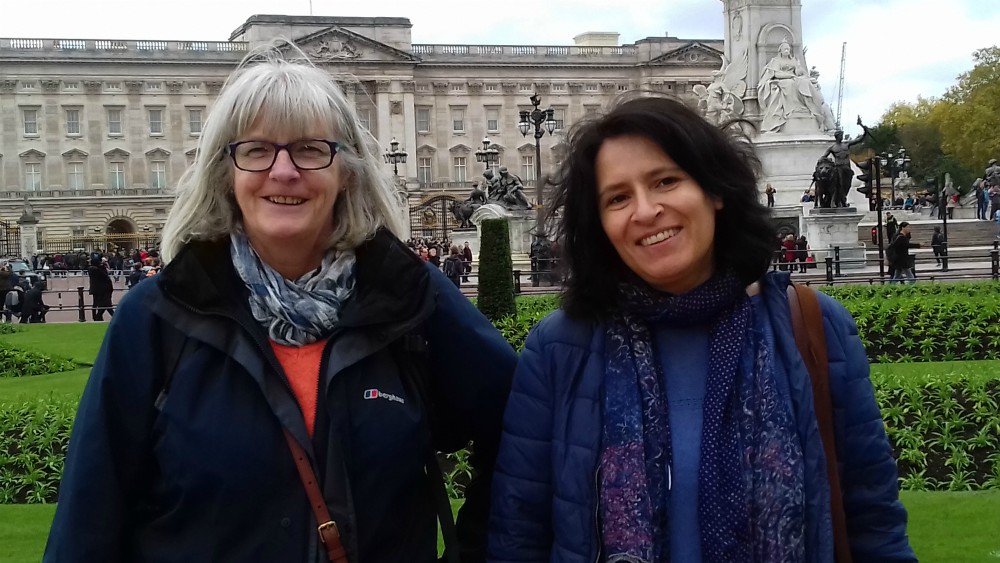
327, 528
807, 325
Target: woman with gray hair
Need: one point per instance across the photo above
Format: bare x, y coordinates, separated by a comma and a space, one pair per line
266, 397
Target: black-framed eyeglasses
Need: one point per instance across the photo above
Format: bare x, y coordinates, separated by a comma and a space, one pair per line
306, 154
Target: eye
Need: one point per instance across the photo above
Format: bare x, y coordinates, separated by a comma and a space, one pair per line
312, 148
615, 200
255, 150
668, 181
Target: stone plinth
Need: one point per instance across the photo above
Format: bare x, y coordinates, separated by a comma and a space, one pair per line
520, 224
28, 224
829, 228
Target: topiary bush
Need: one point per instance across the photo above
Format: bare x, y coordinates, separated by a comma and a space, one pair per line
496, 271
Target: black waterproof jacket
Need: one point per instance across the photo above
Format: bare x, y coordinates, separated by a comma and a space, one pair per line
210, 477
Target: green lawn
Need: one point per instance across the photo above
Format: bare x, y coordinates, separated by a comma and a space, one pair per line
21, 389
24, 531
944, 528
954, 527
977, 369
77, 342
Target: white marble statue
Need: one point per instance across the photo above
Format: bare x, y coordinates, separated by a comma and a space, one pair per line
786, 88
722, 100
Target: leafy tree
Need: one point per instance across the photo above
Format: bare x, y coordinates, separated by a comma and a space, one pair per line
969, 116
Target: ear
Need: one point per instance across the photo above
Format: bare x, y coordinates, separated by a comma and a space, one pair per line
717, 203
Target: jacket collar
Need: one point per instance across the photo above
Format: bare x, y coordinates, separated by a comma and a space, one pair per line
390, 282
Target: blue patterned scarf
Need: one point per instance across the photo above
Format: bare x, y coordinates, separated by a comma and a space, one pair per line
750, 477
299, 312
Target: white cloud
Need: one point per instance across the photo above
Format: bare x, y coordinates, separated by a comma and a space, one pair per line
897, 49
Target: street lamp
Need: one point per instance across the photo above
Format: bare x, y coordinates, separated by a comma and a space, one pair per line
488, 155
395, 156
538, 118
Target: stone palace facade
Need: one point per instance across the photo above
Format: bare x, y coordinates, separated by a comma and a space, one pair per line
94, 133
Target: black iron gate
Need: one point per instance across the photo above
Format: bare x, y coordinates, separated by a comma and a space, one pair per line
10, 240
433, 218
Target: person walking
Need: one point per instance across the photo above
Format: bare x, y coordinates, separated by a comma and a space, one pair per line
101, 288
899, 256
664, 413
466, 261
891, 227
769, 191
453, 266
801, 252
937, 245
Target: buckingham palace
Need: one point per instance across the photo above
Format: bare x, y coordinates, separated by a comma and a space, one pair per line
95, 132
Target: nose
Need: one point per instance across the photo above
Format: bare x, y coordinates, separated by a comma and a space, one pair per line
284, 168
646, 208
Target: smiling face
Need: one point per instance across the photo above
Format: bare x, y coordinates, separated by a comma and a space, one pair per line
287, 210
658, 218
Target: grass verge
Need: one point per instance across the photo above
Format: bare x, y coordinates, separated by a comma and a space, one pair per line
943, 528
77, 342
64, 385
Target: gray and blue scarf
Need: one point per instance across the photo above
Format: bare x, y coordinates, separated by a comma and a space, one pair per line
750, 477
294, 312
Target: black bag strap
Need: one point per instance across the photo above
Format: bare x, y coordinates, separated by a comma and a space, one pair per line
412, 351
172, 349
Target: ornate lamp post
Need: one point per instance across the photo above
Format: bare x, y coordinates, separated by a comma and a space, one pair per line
488, 155
543, 121
896, 164
395, 156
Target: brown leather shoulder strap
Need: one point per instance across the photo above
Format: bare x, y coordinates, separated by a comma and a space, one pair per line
807, 326
327, 528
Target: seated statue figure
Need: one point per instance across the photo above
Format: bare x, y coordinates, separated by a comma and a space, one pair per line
511, 191
784, 88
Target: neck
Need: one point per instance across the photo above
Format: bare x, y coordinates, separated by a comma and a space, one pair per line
291, 260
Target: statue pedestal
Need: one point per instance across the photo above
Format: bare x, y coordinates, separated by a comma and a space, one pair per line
788, 162
829, 228
520, 223
28, 225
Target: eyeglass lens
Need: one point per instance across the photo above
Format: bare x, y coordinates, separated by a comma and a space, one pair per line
307, 154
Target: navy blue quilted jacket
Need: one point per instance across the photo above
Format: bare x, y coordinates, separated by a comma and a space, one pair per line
545, 490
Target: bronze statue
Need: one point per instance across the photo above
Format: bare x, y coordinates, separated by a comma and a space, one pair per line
841, 153
510, 191
825, 180
463, 210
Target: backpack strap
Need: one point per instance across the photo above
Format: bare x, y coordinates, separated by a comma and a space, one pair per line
807, 325
412, 357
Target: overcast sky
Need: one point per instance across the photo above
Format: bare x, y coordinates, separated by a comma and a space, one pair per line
896, 49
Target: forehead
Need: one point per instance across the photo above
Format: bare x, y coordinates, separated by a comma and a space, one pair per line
281, 126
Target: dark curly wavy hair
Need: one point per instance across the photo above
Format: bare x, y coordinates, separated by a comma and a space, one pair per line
720, 159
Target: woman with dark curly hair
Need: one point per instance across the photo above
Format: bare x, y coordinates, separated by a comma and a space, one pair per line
664, 413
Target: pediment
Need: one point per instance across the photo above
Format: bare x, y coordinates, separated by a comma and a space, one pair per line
526, 148
191, 152
75, 153
32, 153
695, 53
338, 45
460, 149
157, 153
117, 153
426, 149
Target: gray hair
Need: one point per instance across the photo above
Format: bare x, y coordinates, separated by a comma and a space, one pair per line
278, 88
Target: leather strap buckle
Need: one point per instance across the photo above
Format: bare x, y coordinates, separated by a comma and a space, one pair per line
323, 530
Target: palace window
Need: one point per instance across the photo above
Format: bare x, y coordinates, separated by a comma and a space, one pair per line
458, 164
74, 176
30, 117
116, 180
32, 176
158, 175
424, 173
156, 121
115, 121
423, 120
194, 120
73, 122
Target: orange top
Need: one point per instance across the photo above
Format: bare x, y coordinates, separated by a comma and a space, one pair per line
301, 365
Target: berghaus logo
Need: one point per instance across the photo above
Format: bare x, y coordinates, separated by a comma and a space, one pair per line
376, 394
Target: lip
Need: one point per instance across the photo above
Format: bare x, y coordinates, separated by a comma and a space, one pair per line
301, 200
677, 231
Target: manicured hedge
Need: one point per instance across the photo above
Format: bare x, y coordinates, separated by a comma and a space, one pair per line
496, 270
